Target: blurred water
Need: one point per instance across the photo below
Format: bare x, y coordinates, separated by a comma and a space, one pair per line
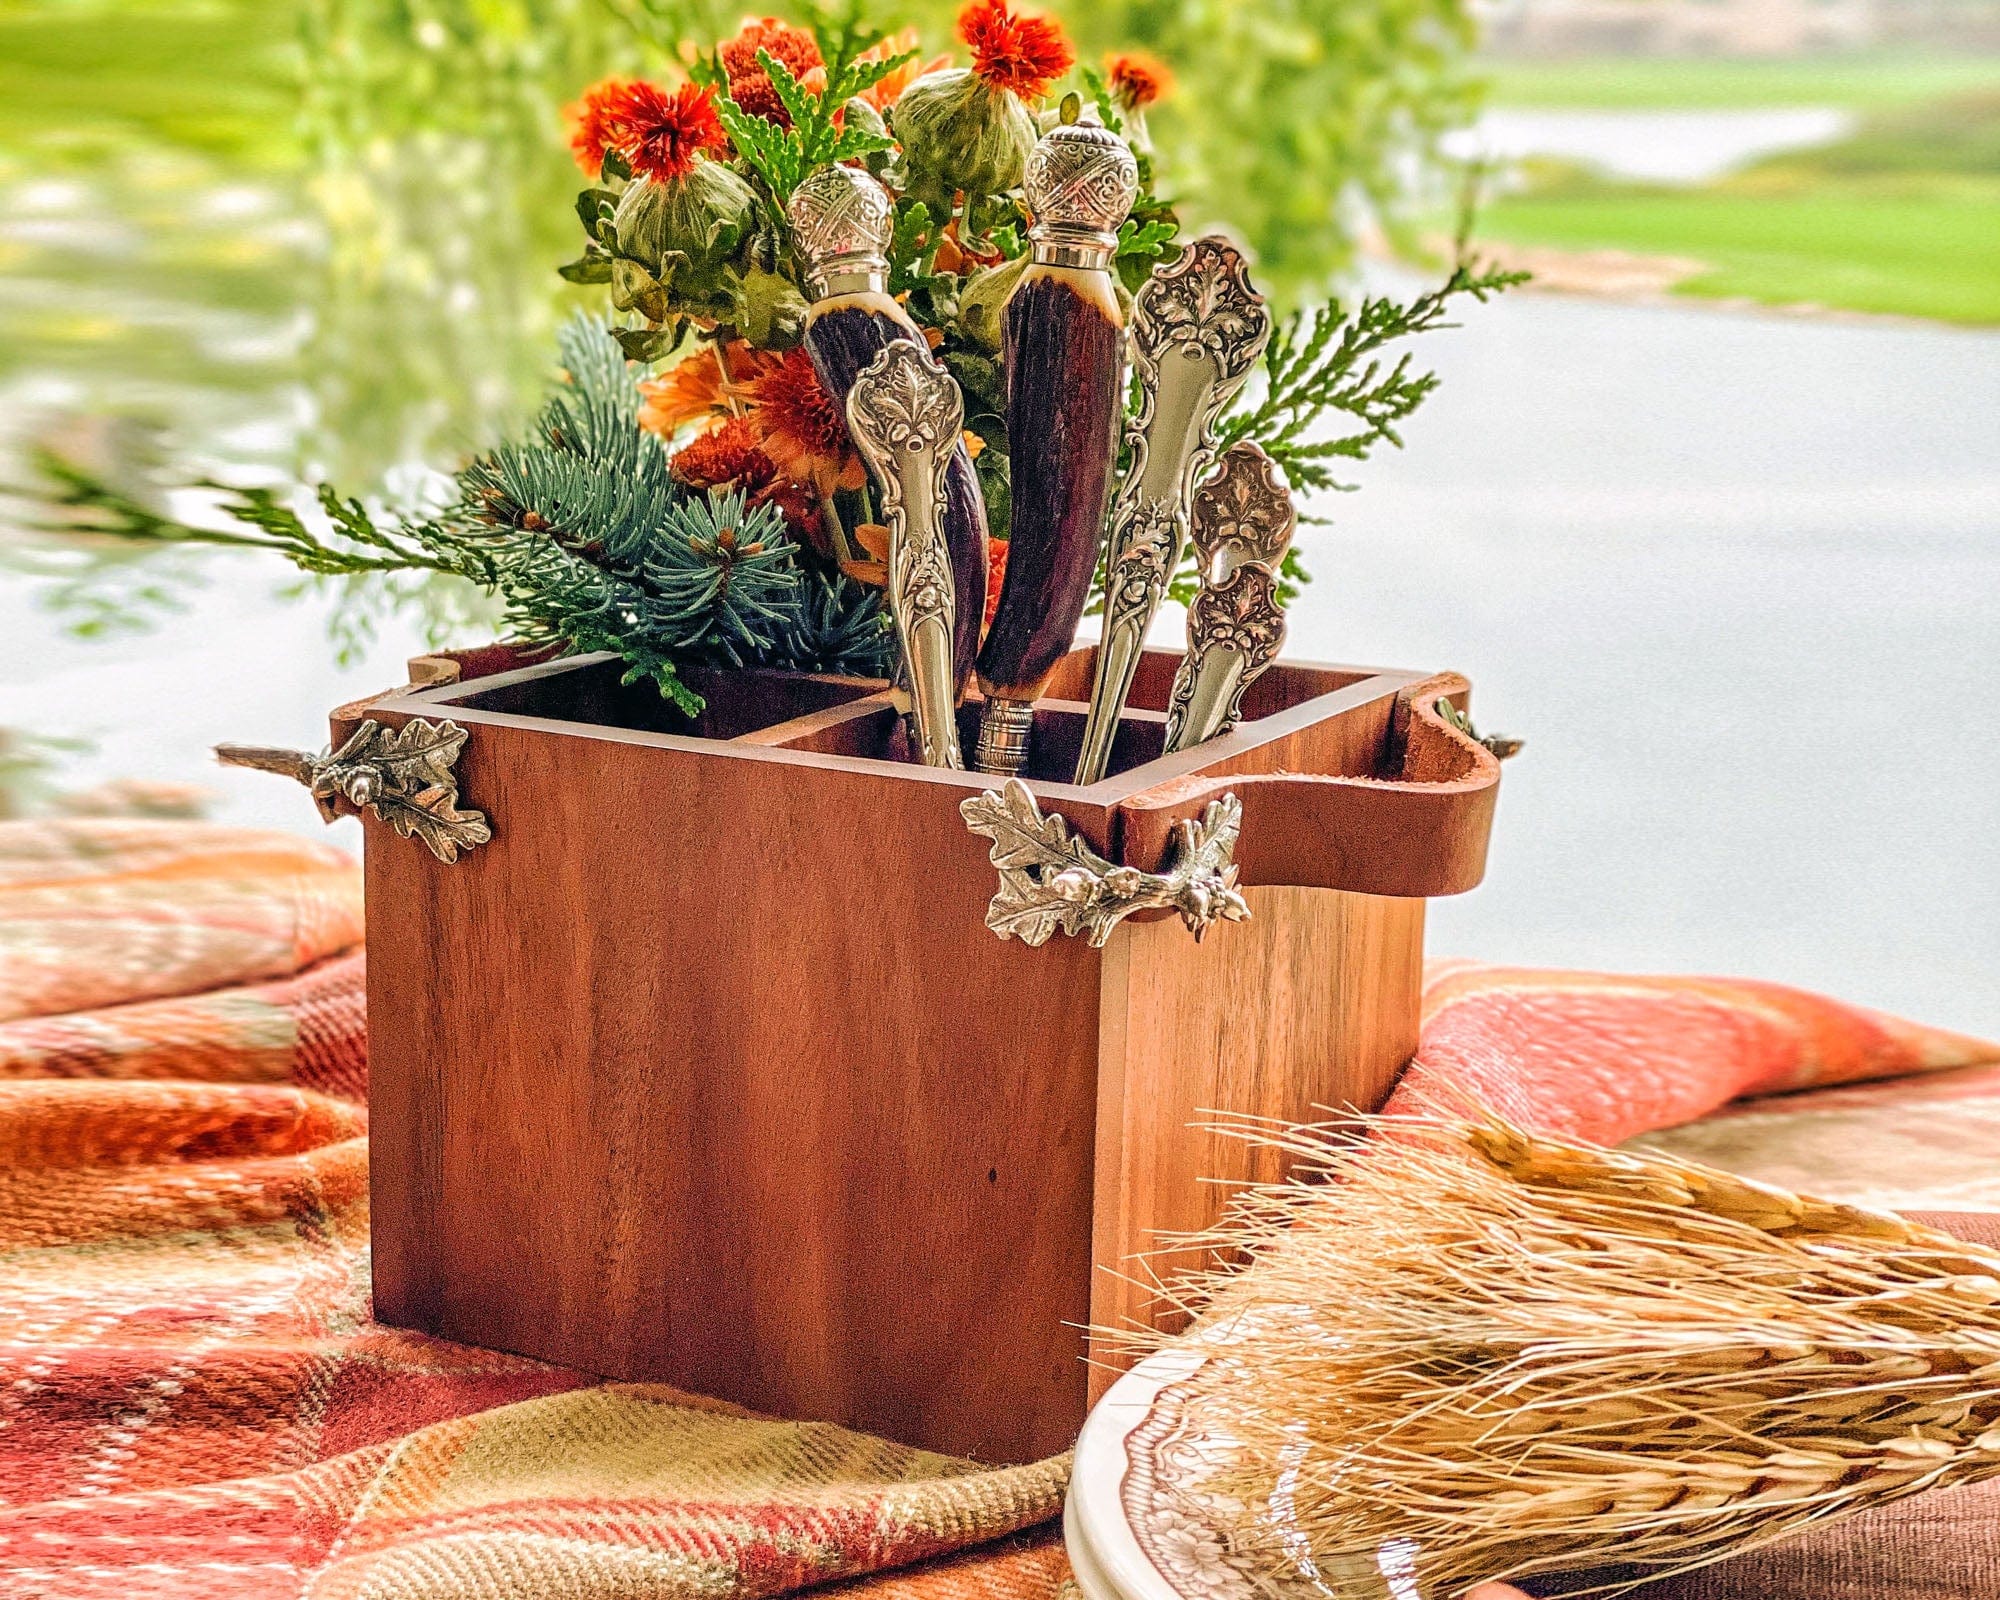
1737, 581
1735, 578
1661, 146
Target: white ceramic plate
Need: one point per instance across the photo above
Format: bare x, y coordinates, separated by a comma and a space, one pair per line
1139, 1525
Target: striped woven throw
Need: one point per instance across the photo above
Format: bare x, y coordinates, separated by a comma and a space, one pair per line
194, 1401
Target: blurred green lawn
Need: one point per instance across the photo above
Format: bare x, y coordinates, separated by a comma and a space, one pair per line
1901, 217
1864, 80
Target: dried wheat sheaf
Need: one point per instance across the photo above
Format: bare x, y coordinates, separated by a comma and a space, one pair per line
1523, 1356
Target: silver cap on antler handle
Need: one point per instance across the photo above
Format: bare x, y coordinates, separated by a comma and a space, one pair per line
1080, 183
1243, 524
1197, 330
905, 412
842, 221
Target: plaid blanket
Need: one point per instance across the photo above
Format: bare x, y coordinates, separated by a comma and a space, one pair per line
194, 1401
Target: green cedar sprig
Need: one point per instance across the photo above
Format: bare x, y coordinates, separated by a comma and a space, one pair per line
1324, 362
843, 32
783, 158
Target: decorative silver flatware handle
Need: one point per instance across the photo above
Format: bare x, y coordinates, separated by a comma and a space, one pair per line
1243, 524
402, 776
1243, 513
1197, 329
1052, 882
905, 413
1235, 629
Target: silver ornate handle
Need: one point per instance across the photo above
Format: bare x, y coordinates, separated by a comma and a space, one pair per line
403, 776
1242, 514
1243, 523
1052, 882
1235, 629
905, 413
1197, 330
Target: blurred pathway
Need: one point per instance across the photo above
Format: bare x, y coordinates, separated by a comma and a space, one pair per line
1737, 581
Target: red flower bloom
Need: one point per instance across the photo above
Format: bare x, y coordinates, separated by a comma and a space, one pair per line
750, 86
793, 46
663, 134
594, 122
1136, 79
1021, 54
728, 457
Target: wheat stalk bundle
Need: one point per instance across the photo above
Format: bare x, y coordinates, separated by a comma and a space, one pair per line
1506, 1355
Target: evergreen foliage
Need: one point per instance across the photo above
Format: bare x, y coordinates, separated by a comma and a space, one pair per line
784, 157
582, 534
1327, 363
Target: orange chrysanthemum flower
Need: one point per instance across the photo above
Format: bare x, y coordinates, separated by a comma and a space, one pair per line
693, 389
1136, 79
750, 86
663, 134
1022, 54
882, 95
801, 426
728, 457
595, 121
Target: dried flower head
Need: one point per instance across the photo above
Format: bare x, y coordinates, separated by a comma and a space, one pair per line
750, 86
1021, 53
594, 122
663, 134
801, 426
1137, 80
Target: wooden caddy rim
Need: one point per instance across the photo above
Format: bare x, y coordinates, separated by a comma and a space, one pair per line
1361, 685
1416, 825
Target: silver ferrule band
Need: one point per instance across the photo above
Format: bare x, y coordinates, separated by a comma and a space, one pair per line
1005, 728
1073, 247
848, 275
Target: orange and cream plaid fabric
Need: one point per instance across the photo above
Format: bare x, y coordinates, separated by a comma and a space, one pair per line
195, 1403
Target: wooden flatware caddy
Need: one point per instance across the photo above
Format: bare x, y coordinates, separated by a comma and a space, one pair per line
706, 1069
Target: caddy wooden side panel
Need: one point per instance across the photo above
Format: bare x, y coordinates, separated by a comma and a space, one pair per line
707, 1071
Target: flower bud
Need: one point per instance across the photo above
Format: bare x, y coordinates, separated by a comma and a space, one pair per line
681, 230
957, 132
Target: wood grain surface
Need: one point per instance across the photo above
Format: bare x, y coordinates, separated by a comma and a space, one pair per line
1310, 1007
707, 1071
